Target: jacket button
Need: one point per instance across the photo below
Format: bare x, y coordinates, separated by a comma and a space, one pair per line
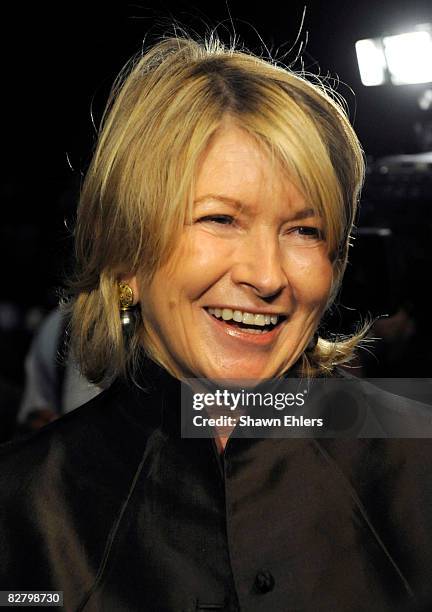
264, 581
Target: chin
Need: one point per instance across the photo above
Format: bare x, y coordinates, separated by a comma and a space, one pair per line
241, 372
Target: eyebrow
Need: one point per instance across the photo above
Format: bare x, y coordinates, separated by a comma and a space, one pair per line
303, 213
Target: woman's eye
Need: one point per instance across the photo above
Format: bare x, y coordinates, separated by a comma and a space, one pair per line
219, 219
309, 232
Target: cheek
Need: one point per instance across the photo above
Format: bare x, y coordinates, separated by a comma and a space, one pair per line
198, 262
310, 273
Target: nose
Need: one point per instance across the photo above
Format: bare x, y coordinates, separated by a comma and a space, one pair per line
258, 263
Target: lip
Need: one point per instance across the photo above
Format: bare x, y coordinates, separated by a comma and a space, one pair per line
237, 333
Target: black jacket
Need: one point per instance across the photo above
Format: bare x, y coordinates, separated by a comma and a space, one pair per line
110, 505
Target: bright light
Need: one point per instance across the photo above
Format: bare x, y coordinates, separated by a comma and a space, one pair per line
371, 61
401, 59
409, 57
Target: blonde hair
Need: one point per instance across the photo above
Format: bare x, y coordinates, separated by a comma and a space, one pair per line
162, 111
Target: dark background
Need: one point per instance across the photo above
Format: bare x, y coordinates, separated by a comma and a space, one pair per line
59, 61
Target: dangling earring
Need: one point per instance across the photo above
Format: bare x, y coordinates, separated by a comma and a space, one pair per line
128, 314
312, 342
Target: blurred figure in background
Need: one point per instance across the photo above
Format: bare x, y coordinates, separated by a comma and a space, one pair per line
53, 383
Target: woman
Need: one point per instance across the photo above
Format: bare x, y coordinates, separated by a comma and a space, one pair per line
212, 236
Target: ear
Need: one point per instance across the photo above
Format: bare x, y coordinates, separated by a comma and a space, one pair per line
133, 284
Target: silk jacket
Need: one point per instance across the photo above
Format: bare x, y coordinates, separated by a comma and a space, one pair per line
110, 505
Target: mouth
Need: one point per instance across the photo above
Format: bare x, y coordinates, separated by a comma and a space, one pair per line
261, 328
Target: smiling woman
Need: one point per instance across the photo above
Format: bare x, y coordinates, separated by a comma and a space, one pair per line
230, 152
248, 261
212, 235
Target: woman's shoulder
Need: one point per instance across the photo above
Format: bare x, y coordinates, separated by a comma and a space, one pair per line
385, 407
113, 425
71, 477
92, 413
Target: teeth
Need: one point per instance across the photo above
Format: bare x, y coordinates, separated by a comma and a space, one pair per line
249, 318
244, 317
238, 316
227, 314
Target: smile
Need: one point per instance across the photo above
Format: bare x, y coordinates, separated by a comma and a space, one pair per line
241, 316
243, 324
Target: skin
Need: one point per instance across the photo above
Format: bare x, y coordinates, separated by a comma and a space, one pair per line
258, 258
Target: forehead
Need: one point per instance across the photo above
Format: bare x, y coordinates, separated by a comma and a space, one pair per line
236, 166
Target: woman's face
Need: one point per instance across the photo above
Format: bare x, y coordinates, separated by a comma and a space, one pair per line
253, 256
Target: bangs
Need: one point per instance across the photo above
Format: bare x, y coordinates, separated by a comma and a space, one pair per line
293, 143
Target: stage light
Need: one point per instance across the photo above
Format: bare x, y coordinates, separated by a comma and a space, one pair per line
371, 61
401, 59
409, 57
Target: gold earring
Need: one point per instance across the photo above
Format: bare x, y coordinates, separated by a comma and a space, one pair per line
128, 313
126, 296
